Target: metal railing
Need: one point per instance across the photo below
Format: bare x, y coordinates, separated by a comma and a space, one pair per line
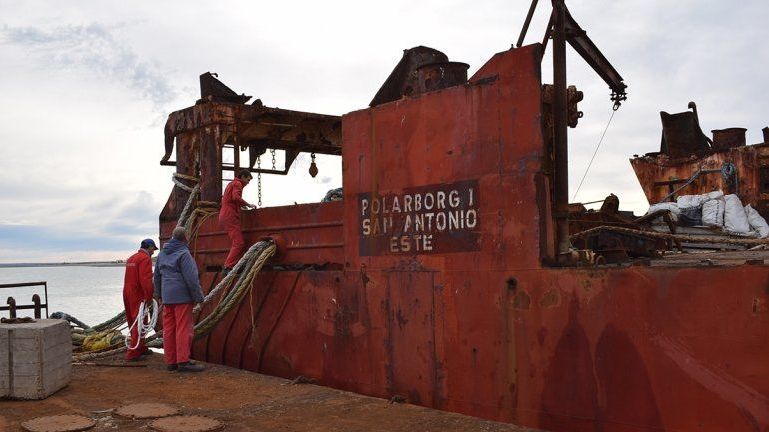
36, 305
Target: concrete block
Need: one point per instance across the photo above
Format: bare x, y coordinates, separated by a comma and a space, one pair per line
35, 358
5, 370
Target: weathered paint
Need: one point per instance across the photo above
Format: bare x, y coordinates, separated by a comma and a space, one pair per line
660, 174
485, 328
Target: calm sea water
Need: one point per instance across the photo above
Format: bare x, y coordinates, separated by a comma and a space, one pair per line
92, 294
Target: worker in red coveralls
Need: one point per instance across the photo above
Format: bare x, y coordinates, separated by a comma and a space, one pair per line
137, 288
229, 217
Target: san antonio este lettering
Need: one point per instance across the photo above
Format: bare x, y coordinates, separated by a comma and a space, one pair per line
436, 218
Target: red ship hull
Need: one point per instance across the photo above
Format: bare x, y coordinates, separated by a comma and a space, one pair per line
471, 319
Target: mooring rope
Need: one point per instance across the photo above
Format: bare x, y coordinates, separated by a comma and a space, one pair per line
242, 287
192, 219
186, 211
246, 270
253, 261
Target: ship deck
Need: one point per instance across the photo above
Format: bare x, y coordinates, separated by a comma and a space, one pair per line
712, 258
243, 401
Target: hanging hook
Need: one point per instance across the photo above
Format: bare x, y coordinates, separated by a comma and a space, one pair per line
313, 167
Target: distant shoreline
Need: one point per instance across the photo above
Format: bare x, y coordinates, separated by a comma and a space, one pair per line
67, 264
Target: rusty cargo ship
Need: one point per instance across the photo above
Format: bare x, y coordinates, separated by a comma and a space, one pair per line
452, 272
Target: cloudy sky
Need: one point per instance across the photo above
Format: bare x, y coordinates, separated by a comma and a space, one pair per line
87, 86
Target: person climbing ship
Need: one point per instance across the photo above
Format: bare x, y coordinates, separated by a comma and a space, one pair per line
229, 217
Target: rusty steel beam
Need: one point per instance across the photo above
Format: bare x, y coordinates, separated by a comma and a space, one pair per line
560, 131
578, 39
319, 147
548, 32
293, 130
209, 148
526, 23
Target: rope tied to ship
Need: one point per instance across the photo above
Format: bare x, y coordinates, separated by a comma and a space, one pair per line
97, 337
194, 213
236, 285
194, 191
178, 177
245, 270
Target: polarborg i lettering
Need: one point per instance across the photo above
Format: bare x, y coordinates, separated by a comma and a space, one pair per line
442, 210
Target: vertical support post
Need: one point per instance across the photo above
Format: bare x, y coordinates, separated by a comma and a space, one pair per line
210, 140
45, 284
36, 303
185, 164
560, 132
236, 157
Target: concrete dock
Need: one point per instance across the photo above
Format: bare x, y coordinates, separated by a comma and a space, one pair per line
244, 401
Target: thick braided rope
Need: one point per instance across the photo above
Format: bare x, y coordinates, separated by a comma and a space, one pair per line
194, 191
251, 253
262, 251
234, 296
679, 237
188, 206
110, 324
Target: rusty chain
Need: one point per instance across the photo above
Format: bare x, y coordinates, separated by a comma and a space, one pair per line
259, 182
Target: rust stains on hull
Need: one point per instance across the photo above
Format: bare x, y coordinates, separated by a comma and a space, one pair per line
477, 324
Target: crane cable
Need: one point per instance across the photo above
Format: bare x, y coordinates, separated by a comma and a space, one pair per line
573, 198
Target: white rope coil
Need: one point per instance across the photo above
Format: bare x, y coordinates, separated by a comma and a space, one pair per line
144, 323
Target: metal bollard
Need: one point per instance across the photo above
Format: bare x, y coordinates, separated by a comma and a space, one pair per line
36, 301
12, 307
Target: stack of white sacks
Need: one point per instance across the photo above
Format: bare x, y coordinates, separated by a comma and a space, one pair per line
719, 211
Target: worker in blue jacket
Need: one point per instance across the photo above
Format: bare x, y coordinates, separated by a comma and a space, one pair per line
178, 286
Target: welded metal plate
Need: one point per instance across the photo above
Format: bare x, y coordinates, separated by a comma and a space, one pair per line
58, 423
192, 423
146, 410
421, 220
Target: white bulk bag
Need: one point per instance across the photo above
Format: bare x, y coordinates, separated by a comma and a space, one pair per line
757, 222
673, 207
685, 201
713, 212
735, 219
714, 195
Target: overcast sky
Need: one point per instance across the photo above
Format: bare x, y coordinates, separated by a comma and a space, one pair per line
87, 86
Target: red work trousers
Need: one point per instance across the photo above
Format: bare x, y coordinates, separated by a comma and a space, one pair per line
131, 310
238, 246
177, 332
